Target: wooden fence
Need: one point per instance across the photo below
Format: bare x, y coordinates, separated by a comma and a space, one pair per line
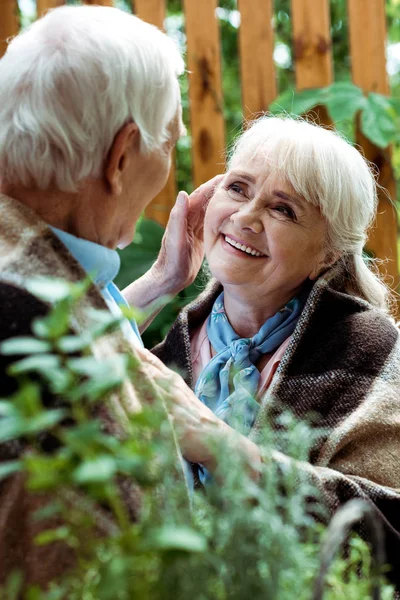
313, 66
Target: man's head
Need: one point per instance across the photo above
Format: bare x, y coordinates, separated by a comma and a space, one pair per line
71, 84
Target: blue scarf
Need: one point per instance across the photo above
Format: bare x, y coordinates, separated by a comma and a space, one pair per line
228, 383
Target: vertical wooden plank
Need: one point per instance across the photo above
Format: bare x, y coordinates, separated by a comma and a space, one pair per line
205, 90
367, 26
312, 43
256, 46
99, 2
153, 11
9, 23
42, 6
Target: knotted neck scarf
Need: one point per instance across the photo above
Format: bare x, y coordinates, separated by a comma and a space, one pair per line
228, 383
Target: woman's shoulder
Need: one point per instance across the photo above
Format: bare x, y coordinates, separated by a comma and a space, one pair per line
342, 331
339, 294
336, 306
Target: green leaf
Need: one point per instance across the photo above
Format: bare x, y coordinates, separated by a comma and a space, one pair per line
343, 99
27, 400
395, 102
37, 363
59, 380
87, 436
40, 328
103, 322
96, 387
56, 323
13, 428
93, 367
178, 537
47, 472
52, 289
378, 120
73, 343
48, 511
24, 345
98, 470
49, 289
10, 429
13, 589
296, 103
83, 434
52, 535
46, 420
101, 317
9, 467
7, 408
134, 314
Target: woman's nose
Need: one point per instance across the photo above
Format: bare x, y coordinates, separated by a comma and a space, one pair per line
247, 219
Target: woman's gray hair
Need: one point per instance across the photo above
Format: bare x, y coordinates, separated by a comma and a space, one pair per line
330, 173
71, 81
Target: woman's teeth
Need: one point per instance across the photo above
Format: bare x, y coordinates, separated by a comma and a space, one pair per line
242, 247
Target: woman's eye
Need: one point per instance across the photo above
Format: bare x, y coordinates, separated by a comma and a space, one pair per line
236, 188
286, 211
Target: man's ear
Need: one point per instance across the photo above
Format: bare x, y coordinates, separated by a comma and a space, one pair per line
329, 259
117, 157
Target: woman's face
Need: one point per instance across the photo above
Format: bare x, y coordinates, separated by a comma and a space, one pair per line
281, 236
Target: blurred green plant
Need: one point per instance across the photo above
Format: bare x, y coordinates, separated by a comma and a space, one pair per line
240, 540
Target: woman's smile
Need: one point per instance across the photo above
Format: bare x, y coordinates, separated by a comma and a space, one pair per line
240, 247
261, 237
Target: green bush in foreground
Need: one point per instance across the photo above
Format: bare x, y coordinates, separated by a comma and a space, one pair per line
241, 540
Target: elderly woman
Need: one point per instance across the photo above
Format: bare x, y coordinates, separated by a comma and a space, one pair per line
294, 319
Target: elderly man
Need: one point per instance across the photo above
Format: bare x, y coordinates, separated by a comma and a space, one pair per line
89, 114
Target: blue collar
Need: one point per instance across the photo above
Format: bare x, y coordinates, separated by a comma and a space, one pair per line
100, 262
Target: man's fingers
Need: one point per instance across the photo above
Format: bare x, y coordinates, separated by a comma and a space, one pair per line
176, 226
201, 196
180, 211
198, 202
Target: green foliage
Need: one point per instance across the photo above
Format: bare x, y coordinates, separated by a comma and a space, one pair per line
379, 115
240, 540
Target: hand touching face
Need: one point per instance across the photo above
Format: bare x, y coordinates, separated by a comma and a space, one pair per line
182, 248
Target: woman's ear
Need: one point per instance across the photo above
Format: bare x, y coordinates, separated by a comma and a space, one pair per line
118, 156
329, 259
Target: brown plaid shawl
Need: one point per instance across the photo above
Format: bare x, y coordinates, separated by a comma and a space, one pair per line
343, 367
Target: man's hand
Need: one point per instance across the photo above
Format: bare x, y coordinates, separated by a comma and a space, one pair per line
181, 252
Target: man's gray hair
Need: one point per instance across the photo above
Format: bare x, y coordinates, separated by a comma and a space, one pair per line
71, 81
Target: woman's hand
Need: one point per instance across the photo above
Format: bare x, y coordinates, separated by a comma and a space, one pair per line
182, 249
200, 433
